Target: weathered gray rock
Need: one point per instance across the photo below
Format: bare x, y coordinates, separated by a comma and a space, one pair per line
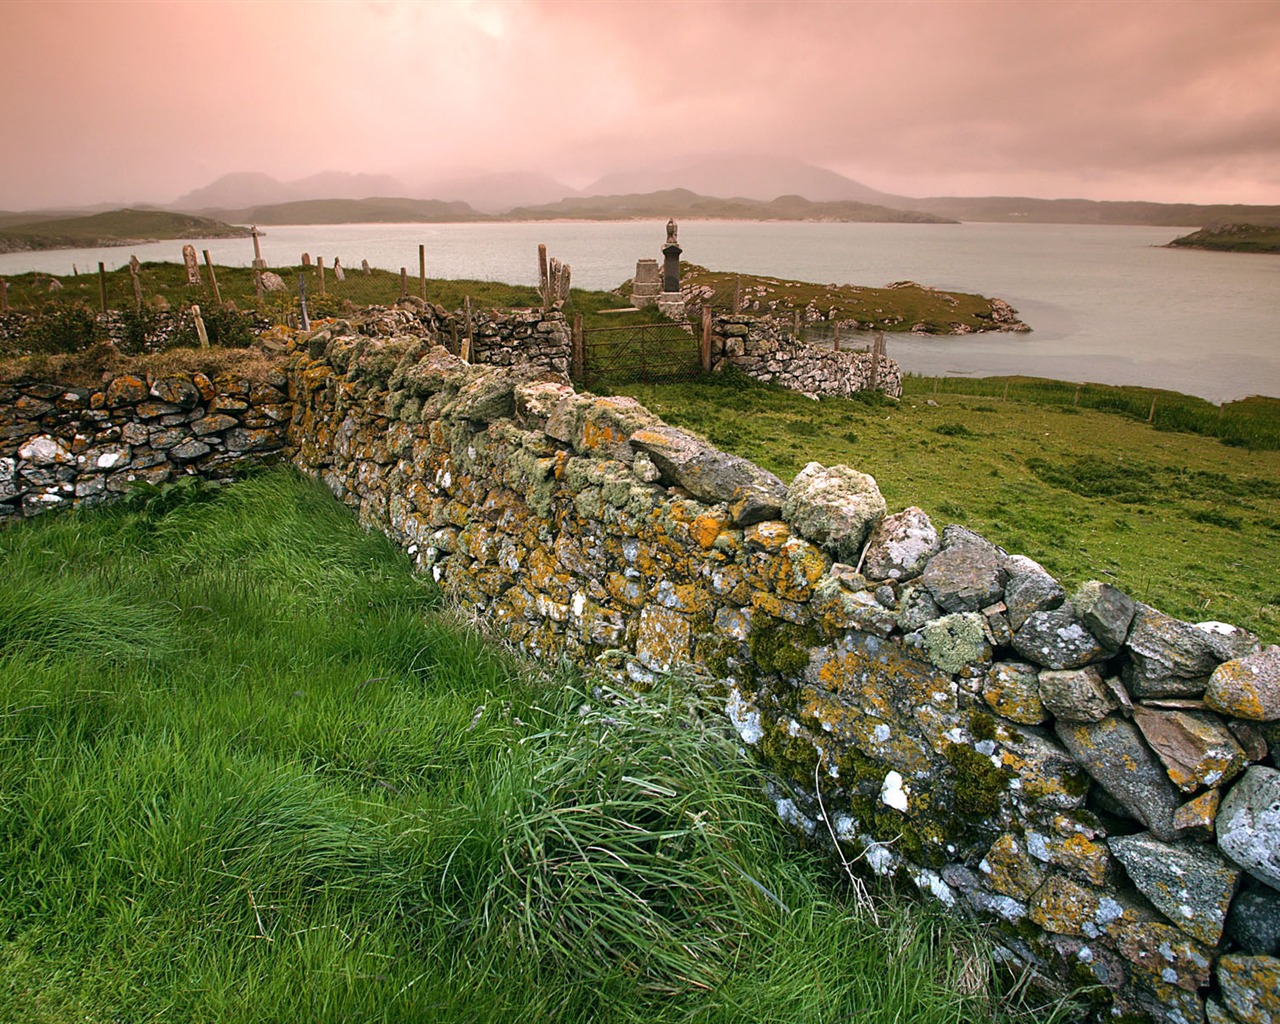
1113, 754
1191, 884
900, 546
754, 495
1077, 695
1248, 824
179, 391
1247, 687
1254, 922
189, 450
214, 424
1196, 748
1029, 589
835, 507
272, 281
1251, 988
1169, 658
916, 606
1228, 641
1057, 640
1012, 690
1106, 612
44, 450
965, 577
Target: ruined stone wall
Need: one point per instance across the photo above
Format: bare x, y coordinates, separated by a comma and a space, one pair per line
764, 348
1096, 780
65, 446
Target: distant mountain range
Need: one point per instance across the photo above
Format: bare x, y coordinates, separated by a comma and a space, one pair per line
744, 187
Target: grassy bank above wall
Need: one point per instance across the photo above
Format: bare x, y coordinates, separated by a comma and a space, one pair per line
1179, 520
251, 774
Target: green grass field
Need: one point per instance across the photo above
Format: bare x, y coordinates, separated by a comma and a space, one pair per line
252, 773
1180, 520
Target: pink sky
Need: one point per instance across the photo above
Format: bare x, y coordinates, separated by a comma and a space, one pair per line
126, 102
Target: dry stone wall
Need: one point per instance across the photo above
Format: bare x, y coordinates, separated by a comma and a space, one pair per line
1096, 780
66, 446
764, 348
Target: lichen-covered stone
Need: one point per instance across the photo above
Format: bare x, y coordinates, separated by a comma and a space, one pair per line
1169, 658
1228, 641
1029, 589
1057, 640
1106, 612
835, 507
1251, 988
1012, 690
955, 641
1196, 748
1113, 754
1254, 921
1191, 884
965, 577
900, 546
1247, 687
1248, 824
1077, 695
1195, 818
1011, 870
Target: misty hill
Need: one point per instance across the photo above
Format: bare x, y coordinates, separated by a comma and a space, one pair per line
681, 202
496, 193
245, 189
119, 227
376, 210
1018, 209
752, 177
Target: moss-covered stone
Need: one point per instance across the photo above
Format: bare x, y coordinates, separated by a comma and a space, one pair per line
977, 783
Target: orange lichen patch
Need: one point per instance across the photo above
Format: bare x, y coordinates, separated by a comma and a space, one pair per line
1010, 870
1080, 854
1063, 906
1164, 951
797, 567
771, 604
1199, 814
707, 527
663, 640
767, 536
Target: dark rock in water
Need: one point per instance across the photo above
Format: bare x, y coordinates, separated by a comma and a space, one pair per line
1254, 921
1113, 754
1170, 658
1106, 612
1249, 824
965, 577
1057, 640
1189, 883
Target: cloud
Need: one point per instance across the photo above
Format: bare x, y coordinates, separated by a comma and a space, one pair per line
146, 101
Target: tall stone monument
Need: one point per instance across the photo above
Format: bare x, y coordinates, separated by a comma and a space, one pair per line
671, 301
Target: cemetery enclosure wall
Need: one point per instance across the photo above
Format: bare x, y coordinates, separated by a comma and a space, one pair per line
1084, 773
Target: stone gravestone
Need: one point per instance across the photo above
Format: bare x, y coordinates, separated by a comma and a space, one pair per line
193, 268
671, 302
338, 273
646, 284
306, 259
364, 265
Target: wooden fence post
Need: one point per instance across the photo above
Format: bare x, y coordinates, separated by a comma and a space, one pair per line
213, 279
467, 337
706, 338
4, 295
544, 279
404, 283
579, 349
320, 272
1151, 416
1077, 398
102, 285
737, 294
835, 338
795, 326
877, 353
422, 271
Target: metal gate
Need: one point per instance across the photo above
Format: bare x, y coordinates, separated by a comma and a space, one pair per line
644, 352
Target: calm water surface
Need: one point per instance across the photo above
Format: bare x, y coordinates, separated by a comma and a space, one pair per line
1107, 304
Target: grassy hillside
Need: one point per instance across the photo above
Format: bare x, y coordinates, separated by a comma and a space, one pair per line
357, 211
119, 227
1023, 210
251, 775
1232, 238
1178, 520
683, 204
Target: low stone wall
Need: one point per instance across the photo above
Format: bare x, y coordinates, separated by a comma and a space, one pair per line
65, 446
764, 348
1094, 779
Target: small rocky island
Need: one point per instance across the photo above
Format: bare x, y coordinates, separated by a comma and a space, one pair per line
1232, 238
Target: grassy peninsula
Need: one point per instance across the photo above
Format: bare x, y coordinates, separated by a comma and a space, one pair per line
119, 227
1232, 238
